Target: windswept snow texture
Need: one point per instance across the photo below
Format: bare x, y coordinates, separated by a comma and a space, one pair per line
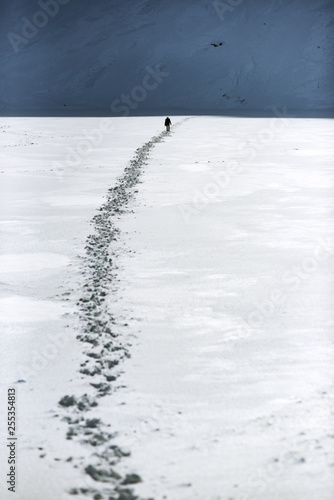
49, 194
220, 288
229, 390
84, 58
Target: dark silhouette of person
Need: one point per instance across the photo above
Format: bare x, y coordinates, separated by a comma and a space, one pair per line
168, 123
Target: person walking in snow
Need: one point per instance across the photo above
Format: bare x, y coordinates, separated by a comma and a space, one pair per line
168, 123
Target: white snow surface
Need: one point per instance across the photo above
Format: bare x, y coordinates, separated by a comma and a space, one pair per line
226, 285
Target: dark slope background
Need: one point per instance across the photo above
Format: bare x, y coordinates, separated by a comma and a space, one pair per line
233, 56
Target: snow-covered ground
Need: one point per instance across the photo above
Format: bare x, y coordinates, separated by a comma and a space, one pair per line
223, 299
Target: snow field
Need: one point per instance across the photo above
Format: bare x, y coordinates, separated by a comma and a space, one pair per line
229, 284
225, 284
53, 179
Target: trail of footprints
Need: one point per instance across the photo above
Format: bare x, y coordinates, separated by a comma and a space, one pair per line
105, 351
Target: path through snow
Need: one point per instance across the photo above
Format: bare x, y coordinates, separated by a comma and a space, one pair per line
224, 273
229, 390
